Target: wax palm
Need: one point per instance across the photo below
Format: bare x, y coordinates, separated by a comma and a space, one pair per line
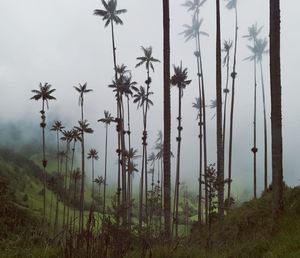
147, 59
93, 155
227, 45
106, 120
57, 127
44, 93
140, 97
232, 5
100, 181
193, 32
253, 32
179, 79
82, 89
258, 51
66, 137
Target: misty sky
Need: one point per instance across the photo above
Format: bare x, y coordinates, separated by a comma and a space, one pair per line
62, 43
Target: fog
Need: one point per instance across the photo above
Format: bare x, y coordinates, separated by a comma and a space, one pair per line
61, 42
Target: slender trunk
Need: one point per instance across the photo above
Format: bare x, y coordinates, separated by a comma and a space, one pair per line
265, 130
128, 162
93, 178
51, 202
199, 75
58, 169
81, 216
69, 177
74, 210
65, 185
105, 172
233, 76
203, 124
254, 150
225, 103
177, 180
276, 115
167, 120
44, 162
220, 153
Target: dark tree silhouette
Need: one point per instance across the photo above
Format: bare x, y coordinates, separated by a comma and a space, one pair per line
93, 155
179, 79
44, 93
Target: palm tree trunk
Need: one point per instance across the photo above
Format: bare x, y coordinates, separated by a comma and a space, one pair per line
44, 160
233, 75
74, 210
81, 215
69, 178
276, 116
265, 130
177, 181
105, 172
254, 150
129, 197
203, 124
58, 169
167, 120
65, 185
220, 153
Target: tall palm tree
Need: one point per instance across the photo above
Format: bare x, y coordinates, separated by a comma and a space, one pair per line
220, 153
57, 127
253, 32
111, 15
141, 97
191, 32
82, 89
67, 137
100, 181
277, 176
44, 93
148, 60
106, 120
232, 4
258, 51
167, 120
179, 79
93, 155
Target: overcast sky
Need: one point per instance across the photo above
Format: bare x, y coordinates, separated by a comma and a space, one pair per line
61, 42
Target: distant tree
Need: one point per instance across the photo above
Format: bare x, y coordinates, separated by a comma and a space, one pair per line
179, 79
44, 93
106, 120
253, 32
57, 127
82, 89
93, 155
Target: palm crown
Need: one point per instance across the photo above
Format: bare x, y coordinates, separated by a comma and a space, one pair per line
84, 127
179, 78
110, 14
43, 93
226, 48
107, 118
194, 5
82, 89
57, 126
141, 98
197, 103
93, 154
148, 59
192, 31
253, 32
258, 50
231, 4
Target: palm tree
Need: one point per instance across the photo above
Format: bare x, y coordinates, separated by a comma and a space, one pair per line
179, 79
277, 176
232, 4
148, 60
67, 137
141, 97
261, 45
111, 15
167, 120
93, 155
252, 35
190, 32
106, 120
57, 127
44, 93
220, 152
82, 89
99, 181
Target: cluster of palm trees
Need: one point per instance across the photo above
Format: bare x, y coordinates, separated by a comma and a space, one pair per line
125, 89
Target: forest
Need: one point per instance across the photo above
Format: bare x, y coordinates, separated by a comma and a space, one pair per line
179, 151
